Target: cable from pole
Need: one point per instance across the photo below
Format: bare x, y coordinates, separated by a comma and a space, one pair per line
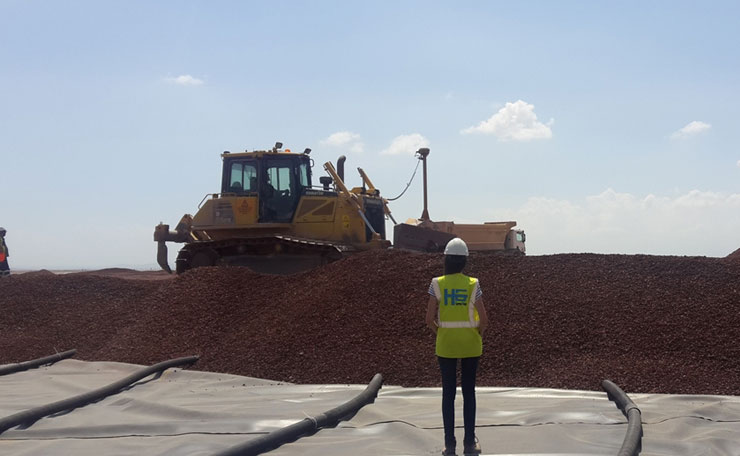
407, 185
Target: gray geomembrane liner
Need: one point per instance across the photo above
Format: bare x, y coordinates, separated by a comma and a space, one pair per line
188, 412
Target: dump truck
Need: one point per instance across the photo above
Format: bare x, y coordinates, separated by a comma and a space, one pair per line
270, 216
428, 236
425, 235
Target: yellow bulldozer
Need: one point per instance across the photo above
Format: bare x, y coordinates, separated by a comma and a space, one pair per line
271, 217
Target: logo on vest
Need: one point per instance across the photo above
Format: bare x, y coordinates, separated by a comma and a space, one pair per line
458, 296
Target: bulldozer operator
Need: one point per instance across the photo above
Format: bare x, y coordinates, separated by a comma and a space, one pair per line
268, 198
4, 267
277, 197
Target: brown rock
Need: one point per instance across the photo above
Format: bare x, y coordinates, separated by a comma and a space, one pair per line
649, 323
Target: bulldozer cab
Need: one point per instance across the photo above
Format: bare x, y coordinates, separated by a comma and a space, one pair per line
278, 180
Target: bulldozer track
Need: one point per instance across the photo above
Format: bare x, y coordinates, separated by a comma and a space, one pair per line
280, 254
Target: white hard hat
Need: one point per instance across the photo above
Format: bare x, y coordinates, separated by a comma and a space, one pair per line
456, 247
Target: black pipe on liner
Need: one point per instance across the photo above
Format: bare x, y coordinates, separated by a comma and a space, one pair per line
632, 444
25, 365
307, 426
30, 416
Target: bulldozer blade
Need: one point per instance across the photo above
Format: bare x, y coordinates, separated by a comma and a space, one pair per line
411, 237
162, 256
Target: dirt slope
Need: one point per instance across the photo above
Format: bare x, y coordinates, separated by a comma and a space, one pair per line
649, 323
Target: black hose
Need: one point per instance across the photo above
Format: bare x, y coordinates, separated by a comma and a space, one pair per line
25, 365
30, 416
307, 426
407, 185
632, 444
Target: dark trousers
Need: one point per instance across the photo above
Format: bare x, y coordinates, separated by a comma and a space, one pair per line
448, 367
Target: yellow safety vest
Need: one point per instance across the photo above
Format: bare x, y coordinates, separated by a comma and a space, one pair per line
457, 335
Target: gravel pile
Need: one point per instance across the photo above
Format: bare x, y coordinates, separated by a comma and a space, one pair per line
734, 255
649, 323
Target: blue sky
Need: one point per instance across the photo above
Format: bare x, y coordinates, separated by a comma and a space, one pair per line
598, 127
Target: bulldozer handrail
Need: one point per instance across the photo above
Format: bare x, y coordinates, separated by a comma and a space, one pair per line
204, 198
370, 186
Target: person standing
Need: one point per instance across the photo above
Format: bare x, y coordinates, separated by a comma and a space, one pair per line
4, 268
455, 313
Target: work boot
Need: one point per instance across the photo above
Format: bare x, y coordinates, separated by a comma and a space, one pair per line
472, 449
450, 447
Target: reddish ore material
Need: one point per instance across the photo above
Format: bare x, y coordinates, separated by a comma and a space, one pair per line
649, 323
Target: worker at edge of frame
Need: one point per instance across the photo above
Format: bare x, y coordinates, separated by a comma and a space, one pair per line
456, 314
4, 267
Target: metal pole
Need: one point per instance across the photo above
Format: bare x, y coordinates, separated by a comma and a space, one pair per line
422, 153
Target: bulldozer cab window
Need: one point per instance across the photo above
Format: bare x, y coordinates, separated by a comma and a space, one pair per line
303, 174
280, 190
279, 178
243, 178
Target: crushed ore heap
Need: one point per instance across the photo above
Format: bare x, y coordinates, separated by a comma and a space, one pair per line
653, 324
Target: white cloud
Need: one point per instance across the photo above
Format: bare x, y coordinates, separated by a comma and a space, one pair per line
691, 129
738, 163
357, 148
340, 138
184, 80
695, 223
406, 144
514, 122
347, 139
